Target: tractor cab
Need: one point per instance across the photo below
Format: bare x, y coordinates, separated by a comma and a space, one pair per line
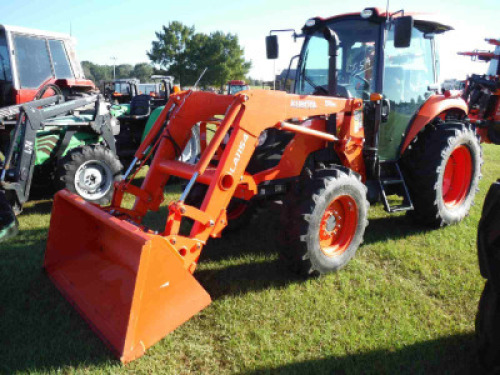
120, 91
394, 55
32, 59
235, 86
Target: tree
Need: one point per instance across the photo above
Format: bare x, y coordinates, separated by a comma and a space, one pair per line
143, 71
185, 54
224, 57
86, 70
124, 71
171, 50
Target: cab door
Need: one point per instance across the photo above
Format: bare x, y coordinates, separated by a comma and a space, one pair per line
407, 74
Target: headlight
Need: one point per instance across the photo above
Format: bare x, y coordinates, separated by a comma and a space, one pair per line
262, 138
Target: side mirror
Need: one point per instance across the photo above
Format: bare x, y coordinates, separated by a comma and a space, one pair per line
272, 46
402, 31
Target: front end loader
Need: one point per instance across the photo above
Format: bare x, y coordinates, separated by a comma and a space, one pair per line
347, 134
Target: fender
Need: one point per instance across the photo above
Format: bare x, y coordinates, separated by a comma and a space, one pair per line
435, 105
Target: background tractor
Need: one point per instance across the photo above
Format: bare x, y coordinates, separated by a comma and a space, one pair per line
56, 131
235, 86
365, 120
34, 62
120, 91
482, 92
137, 118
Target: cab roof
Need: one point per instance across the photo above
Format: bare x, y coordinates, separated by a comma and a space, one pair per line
425, 22
35, 32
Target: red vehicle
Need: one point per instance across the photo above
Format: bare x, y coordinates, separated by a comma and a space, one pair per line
482, 92
34, 61
235, 86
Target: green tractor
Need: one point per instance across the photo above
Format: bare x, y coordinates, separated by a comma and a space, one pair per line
137, 118
56, 144
55, 130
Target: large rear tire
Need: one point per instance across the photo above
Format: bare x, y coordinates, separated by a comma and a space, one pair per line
90, 171
323, 222
488, 328
442, 170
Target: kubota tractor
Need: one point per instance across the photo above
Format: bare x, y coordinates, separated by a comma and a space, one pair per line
365, 120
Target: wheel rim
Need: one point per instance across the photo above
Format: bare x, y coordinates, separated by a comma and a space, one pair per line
457, 176
338, 226
93, 179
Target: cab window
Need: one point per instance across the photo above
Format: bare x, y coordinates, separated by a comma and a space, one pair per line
33, 61
408, 71
5, 73
62, 68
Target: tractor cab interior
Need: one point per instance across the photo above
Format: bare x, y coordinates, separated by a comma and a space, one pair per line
356, 60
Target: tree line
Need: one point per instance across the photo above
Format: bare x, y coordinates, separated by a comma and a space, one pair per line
97, 73
180, 51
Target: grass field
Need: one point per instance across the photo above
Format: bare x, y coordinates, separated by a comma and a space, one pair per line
405, 304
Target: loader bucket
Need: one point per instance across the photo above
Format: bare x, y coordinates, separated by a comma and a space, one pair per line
130, 286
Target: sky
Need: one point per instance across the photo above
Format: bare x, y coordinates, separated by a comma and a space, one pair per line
125, 29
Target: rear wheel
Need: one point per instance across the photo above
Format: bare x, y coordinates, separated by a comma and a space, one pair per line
324, 222
442, 171
90, 172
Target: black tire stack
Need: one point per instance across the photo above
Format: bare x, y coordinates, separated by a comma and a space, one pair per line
488, 315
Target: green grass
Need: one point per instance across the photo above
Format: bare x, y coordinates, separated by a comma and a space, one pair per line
405, 304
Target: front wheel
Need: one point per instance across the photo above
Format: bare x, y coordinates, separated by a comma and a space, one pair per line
90, 172
324, 223
442, 171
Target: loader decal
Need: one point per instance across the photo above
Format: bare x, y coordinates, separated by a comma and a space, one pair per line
239, 152
304, 104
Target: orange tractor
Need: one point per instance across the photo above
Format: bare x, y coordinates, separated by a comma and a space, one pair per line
348, 133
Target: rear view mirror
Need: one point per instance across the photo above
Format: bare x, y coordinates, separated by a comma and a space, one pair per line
402, 31
272, 46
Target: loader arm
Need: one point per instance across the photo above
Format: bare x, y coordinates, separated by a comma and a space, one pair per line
247, 114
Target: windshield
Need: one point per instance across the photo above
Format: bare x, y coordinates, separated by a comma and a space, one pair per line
356, 60
122, 88
147, 88
233, 89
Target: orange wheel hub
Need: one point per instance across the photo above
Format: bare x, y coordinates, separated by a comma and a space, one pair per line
338, 226
457, 177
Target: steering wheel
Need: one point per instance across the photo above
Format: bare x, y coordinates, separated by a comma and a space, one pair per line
361, 78
41, 92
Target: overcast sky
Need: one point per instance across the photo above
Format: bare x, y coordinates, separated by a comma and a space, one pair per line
125, 29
